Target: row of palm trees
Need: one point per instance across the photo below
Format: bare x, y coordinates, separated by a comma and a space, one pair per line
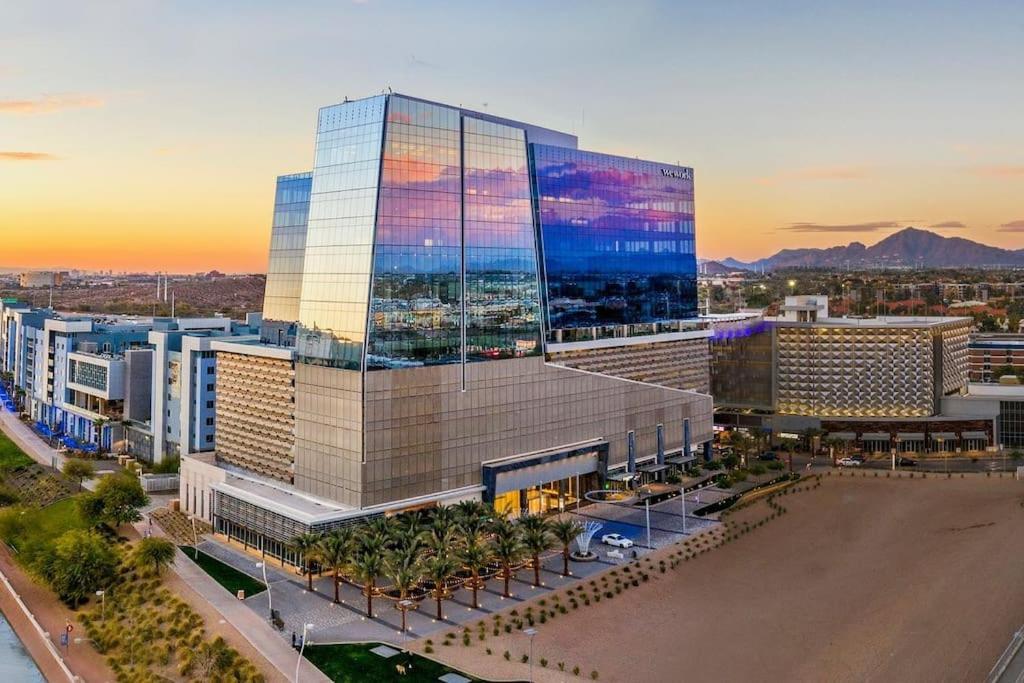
433, 553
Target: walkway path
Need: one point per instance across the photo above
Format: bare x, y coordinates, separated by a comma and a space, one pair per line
29, 441
37, 449
249, 633
52, 616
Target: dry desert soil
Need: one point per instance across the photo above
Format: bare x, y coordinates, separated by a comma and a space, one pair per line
863, 579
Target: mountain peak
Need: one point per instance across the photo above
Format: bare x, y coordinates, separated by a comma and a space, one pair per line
907, 247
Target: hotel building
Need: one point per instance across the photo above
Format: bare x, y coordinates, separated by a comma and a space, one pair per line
882, 382
479, 310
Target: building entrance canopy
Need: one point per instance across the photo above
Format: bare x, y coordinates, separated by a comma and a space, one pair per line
533, 469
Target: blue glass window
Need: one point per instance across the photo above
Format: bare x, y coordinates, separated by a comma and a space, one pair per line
617, 239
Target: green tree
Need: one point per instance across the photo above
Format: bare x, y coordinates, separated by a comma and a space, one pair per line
438, 569
475, 555
335, 551
116, 501
79, 470
405, 568
80, 563
367, 564
538, 540
307, 545
566, 531
214, 659
154, 552
508, 549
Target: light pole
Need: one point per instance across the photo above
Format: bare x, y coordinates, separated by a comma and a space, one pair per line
306, 628
270, 599
102, 595
682, 498
531, 632
647, 508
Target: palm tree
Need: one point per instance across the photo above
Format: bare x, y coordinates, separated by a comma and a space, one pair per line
334, 550
566, 531
307, 545
475, 556
537, 539
441, 538
158, 552
471, 512
404, 568
508, 549
380, 528
367, 564
472, 516
438, 569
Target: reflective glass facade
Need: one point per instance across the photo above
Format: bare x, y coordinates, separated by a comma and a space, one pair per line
425, 226
502, 291
617, 237
287, 247
417, 282
339, 240
454, 241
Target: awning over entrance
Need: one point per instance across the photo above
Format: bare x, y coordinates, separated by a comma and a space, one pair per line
680, 459
652, 468
974, 435
945, 436
910, 436
533, 469
875, 436
843, 436
621, 476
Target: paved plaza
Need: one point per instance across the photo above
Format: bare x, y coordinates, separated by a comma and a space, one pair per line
347, 621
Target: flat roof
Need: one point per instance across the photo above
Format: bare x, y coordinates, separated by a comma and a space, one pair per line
983, 390
894, 321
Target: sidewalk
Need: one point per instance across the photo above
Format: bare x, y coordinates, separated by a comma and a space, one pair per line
259, 636
28, 441
37, 449
52, 615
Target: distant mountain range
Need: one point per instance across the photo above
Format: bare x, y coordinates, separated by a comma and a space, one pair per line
907, 248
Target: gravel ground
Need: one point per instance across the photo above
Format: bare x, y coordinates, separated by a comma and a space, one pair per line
865, 579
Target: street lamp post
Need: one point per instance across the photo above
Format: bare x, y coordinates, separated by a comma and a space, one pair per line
647, 508
102, 595
306, 628
682, 498
270, 599
531, 632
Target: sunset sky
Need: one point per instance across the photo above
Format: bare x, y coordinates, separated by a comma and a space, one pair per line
145, 135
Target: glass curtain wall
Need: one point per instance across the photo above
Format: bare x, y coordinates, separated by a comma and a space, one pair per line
343, 203
617, 239
502, 298
417, 283
287, 247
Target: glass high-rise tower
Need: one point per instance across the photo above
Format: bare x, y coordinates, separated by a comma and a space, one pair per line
480, 309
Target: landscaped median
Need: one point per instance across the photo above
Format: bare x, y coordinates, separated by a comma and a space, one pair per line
226, 575
73, 546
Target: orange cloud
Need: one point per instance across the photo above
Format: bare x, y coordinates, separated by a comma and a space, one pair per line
27, 156
999, 171
48, 104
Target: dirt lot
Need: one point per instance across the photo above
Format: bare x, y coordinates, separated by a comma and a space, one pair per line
866, 579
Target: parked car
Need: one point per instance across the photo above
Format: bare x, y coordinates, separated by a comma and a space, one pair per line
850, 462
768, 455
617, 540
906, 462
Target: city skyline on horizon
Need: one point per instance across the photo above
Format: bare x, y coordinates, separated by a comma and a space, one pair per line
157, 128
